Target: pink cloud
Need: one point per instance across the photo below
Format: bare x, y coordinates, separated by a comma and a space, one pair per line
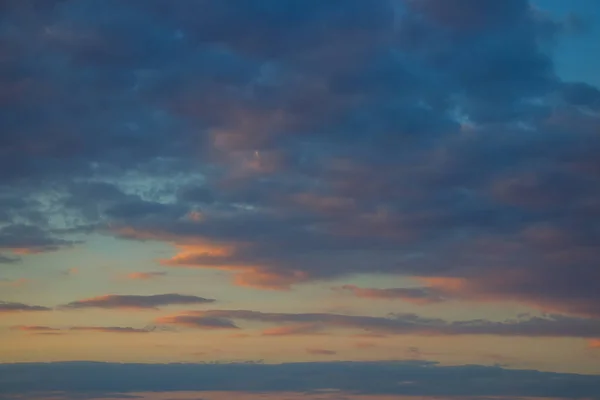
33, 328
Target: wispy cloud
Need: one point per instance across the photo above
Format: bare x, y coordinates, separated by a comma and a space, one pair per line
402, 324
33, 328
8, 307
136, 302
419, 295
145, 276
200, 322
110, 329
293, 330
101, 329
321, 352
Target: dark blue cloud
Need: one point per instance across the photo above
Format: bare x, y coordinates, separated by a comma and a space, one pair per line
317, 139
425, 377
136, 301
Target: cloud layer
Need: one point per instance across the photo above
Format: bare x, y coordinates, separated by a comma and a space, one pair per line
418, 378
290, 142
400, 324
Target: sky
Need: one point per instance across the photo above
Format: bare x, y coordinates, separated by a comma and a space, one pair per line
325, 199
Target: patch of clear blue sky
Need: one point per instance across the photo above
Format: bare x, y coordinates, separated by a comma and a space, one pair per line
577, 57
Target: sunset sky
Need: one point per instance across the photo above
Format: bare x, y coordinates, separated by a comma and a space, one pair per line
355, 198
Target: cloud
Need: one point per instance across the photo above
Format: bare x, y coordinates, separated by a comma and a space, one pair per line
8, 307
308, 141
7, 260
145, 276
137, 302
47, 330
321, 352
398, 324
28, 239
594, 343
413, 295
365, 345
292, 330
207, 322
33, 328
428, 379
110, 329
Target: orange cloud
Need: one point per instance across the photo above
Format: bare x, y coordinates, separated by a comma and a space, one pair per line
33, 328
594, 344
199, 253
263, 279
145, 276
222, 257
190, 254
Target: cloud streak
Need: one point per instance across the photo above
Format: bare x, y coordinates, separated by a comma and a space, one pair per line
145, 276
136, 302
33, 328
321, 352
418, 295
11, 307
110, 329
399, 324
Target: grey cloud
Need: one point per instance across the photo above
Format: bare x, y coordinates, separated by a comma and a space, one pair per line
321, 352
406, 324
417, 295
8, 260
9, 307
29, 238
110, 329
136, 301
